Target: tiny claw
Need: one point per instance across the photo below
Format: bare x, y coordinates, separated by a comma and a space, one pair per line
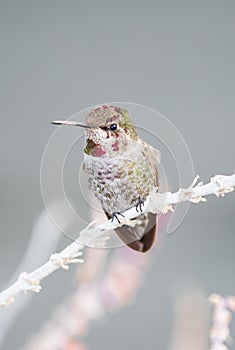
115, 215
139, 204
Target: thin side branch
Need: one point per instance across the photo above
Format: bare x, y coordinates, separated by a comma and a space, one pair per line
158, 203
220, 334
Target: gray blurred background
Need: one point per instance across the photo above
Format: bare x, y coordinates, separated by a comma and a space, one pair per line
58, 57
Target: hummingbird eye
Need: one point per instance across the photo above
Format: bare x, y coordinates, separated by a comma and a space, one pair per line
113, 127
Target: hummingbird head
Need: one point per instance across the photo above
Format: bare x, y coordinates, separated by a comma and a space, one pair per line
110, 129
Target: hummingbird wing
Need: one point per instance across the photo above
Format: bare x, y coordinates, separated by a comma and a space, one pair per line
154, 157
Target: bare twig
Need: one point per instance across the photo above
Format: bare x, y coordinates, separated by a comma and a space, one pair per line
220, 337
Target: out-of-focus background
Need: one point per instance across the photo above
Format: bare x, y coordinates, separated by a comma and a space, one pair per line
59, 57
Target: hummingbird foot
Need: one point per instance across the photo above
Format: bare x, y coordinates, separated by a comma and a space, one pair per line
115, 216
139, 204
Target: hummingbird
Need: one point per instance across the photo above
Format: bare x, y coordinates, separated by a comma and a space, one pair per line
122, 169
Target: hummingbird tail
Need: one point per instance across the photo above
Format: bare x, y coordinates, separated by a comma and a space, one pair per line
148, 238
128, 234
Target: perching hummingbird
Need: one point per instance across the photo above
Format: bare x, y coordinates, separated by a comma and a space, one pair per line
121, 170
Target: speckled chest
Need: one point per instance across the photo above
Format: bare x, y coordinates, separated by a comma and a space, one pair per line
118, 182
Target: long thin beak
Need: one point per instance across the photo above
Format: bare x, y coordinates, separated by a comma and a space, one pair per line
72, 123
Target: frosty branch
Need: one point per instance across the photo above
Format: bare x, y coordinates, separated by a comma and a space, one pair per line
159, 203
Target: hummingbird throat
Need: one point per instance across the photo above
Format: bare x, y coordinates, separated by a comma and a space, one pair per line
97, 145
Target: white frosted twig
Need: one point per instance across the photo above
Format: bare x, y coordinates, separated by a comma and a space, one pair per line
220, 337
30, 282
91, 235
36, 253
